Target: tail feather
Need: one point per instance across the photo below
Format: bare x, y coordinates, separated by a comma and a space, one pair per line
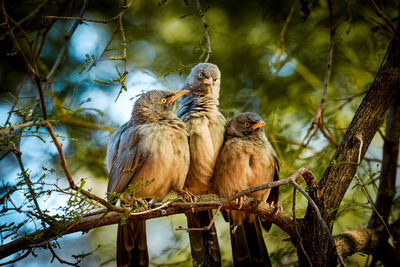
132, 245
204, 244
248, 246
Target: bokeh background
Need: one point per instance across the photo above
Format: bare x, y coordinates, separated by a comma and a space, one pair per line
273, 58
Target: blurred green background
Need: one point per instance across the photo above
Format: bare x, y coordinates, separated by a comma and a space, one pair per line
273, 58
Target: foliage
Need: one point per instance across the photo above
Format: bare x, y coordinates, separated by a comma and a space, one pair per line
273, 58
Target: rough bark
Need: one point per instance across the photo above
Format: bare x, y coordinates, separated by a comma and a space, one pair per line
387, 179
343, 165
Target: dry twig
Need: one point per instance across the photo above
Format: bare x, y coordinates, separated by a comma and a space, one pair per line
205, 25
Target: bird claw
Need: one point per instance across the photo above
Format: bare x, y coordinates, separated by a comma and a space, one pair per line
277, 206
187, 196
144, 203
240, 201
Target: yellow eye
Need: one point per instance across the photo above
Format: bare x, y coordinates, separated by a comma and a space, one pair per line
200, 75
246, 124
163, 100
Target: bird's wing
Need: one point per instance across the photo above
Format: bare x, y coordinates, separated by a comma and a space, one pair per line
274, 193
113, 144
128, 161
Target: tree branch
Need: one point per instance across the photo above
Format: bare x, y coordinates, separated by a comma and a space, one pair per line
205, 25
103, 218
344, 163
382, 15
387, 184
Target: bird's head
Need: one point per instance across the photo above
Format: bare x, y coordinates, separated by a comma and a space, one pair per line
156, 105
204, 80
245, 124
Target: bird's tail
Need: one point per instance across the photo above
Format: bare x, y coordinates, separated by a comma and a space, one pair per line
132, 244
248, 247
204, 244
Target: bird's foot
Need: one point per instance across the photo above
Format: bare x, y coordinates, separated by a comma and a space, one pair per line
277, 207
187, 195
239, 201
141, 203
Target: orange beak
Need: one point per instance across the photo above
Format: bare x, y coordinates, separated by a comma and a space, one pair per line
208, 81
177, 95
257, 126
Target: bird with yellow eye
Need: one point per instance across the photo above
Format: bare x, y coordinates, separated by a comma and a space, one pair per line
247, 160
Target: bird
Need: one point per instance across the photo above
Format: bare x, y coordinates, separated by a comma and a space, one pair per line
147, 157
247, 159
206, 127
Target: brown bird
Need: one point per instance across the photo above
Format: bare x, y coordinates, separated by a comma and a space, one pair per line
206, 126
246, 160
147, 158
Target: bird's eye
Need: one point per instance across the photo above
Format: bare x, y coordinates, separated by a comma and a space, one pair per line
215, 79
200, 75
163, 100
246, 124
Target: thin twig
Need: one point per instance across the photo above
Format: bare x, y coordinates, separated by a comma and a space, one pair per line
205, 25
282, 35
124, 45
14, 39
319, 216
66, 43
102, 52
382, 15
373, 207
205, 228
318, 122
150, 210
93, 20
22, 126
67, 173
17, 258
16, 99
299, 240
55, 256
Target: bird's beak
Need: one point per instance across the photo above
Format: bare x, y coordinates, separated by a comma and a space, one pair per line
208, 81
257, 126
177, 95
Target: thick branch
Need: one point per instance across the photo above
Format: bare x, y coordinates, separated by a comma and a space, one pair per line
364, 125
387, 184
352, 241
343, 166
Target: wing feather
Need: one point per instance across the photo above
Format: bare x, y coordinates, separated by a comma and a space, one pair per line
128, 159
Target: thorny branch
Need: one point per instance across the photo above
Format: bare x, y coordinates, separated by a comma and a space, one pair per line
317, 123
282, 35
382, 15
50, 75
125, 7
119, 16
32, 67
205, 25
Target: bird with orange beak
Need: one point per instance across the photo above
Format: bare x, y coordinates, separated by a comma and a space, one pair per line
147, 157
246, 160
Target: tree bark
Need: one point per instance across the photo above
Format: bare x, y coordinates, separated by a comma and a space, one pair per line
387, 179
350, 152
